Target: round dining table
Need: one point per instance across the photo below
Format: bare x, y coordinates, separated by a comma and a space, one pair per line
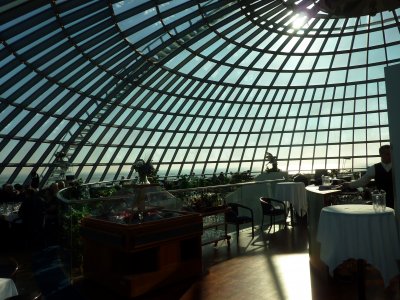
7, 288
295, 194
357, 231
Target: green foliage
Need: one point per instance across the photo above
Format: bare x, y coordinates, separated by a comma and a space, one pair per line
71, 219
273, 160
71, 239
192, 181
144, 168
200, 201
77, 190
102, 192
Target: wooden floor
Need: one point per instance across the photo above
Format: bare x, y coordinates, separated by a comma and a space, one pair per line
271, 266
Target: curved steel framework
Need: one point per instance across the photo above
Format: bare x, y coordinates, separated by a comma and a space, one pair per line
197, 86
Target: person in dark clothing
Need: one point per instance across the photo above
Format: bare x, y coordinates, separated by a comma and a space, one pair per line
51, 214
20, 193
32, 212
8, 194
35, 180
381, 172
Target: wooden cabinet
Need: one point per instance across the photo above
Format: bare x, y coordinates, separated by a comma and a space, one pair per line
214, 226
133, 259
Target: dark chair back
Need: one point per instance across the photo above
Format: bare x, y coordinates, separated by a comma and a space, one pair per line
8, 267
233, 217
25, 297
301, 178
272, 208
266, 205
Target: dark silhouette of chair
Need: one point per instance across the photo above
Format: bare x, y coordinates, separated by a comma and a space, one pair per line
234, 217
26, 297
301, 178
272, 208
8, 267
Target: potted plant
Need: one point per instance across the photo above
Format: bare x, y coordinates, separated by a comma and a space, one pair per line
273, 160
144, 169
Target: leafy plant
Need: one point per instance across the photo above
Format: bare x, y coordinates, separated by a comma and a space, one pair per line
71, 231
144, 168
273, 160
102, 192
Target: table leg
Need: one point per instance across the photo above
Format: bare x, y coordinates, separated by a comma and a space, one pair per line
292, 222
361, 278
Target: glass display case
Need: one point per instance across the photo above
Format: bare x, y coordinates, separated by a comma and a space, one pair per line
140, 232
215, 227
210, 203
142, 243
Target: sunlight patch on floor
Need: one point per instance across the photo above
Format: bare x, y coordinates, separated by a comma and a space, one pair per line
293, 273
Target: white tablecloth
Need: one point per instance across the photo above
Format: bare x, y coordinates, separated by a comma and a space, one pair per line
9, 217
357, 231
9, 211
293, 192
7, 288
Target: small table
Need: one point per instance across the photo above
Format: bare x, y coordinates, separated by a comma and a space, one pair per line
295, 194
7, 288
357, 231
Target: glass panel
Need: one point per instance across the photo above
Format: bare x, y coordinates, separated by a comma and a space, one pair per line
202, 85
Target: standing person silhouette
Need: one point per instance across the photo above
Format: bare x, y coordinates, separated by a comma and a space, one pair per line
35, 180
381, 172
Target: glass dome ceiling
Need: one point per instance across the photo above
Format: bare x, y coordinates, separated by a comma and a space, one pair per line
197, 86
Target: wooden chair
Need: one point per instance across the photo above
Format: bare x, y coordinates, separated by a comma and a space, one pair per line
234, 217
272, 208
